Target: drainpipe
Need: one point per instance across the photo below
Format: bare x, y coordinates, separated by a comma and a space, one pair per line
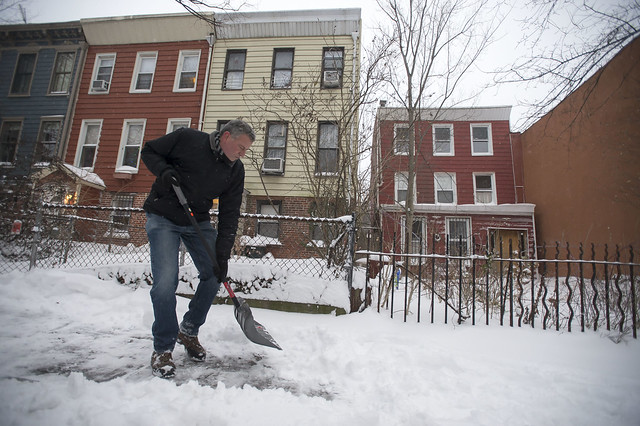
71, 105
211, 39
354, 36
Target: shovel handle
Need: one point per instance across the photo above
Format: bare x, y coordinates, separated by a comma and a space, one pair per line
183, 201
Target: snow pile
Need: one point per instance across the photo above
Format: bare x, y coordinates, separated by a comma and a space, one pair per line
75, 350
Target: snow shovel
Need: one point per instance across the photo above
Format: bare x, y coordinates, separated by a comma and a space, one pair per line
251, 328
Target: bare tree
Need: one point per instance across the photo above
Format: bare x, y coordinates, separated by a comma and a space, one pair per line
13, 12
434, 44
202, 9
564, 42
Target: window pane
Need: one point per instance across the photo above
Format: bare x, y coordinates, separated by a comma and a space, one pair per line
190, 64
284, 59
236, 61
282, 78
328, 160
61, 80
104, 69
481, 133
144, 81
483, 182
328, 136
88, 153
234, 80
333, 59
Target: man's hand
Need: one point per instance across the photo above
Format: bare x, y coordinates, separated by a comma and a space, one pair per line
222, 270
170, 177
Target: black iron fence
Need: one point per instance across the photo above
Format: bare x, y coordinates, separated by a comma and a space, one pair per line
562, 288
61, 236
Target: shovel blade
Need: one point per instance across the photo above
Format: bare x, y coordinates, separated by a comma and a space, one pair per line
251, 328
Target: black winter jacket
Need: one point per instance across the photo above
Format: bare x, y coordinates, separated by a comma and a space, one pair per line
204, 175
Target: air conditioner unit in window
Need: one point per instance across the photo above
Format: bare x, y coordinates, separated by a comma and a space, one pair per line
99, 85
273, 165
331, 79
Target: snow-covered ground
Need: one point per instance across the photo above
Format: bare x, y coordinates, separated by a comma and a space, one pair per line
75, 350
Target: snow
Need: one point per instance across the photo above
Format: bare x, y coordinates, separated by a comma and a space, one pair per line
75, 350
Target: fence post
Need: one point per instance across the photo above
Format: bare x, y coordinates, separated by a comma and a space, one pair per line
36, 238
351, 228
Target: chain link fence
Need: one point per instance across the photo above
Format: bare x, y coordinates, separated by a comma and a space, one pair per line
62, 236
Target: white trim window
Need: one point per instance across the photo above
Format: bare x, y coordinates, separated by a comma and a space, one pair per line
401, 139
120, 219
458, 235
143, 72
418, 235
443, 139
445, 188
401, 186
102, 73
484, 188
177, 123
481, 140
88, 144
187, 71
130, 145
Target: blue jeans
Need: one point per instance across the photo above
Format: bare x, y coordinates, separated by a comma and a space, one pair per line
164, 242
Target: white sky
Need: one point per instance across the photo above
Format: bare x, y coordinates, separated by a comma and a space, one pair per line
39, 11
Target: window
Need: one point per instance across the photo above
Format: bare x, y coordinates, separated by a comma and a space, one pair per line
61, 75
332, 66
234, 70
282, 70
23, 74
221, 124
481, 143
401, 139
120, 218
88, 143
418, 235
102, 72
401, 181
443, 139
178, 123
275, 148
268, 227
327, 148
48, 139
143, 72
458, 235
187, 72
484, 188
130, 145
445, 188
9, 137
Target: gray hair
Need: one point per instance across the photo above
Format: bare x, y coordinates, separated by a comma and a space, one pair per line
237, 128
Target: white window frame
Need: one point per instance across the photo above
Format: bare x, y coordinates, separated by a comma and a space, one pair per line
397, 126
489, 135
444, 177
180, 70
94, 76
454, 242
414, 247
451, 151
31, 74
124, 139
181, 122
476, 191
140, 57
401, 183
82, 143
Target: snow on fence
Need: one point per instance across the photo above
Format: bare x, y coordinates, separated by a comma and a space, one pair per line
63, 236
561, 288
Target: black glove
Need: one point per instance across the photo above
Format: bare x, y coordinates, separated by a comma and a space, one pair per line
221, 271
170, 177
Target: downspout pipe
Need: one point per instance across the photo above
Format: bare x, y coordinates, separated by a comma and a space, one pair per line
211, 39
354, 79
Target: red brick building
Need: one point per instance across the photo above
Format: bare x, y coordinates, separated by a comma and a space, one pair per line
467, 185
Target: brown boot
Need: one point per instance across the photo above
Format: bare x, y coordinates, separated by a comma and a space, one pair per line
162, 365
194, 349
